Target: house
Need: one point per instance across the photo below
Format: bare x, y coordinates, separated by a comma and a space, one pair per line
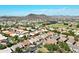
34, 33
50, 33
62, 38
26, 43
71, 40
16, 32
43, 30
54, 37
9, 33
49, 41
77, 44
31, 41
20, 31
3, 39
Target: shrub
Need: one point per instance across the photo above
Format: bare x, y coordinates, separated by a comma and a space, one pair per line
65, 23
64, 46
2, 46
19, 50
77, 25
51, 47
9, 44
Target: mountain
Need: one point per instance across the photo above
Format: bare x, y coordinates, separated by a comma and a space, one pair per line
39, 17
36, 17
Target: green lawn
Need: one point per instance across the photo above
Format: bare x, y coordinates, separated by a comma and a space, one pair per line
58, 25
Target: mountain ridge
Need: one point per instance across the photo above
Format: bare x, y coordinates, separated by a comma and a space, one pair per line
39, 17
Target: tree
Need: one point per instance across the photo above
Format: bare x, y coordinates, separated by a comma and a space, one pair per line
56, 31
51, 47
2, 46
77, 25
0, 27
6, 35
64, 46
65, 33
24, 37
76, 37
9, 44
6, 26
65, 23
15, 39
18, 50
71, 33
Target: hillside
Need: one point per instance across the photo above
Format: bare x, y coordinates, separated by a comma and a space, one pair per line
40, 17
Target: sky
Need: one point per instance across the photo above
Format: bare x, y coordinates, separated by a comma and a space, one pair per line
23, 10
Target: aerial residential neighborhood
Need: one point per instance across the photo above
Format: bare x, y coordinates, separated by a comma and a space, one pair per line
38, 32
38, 37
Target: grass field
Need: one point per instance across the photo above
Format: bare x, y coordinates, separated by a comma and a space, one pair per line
57, 25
